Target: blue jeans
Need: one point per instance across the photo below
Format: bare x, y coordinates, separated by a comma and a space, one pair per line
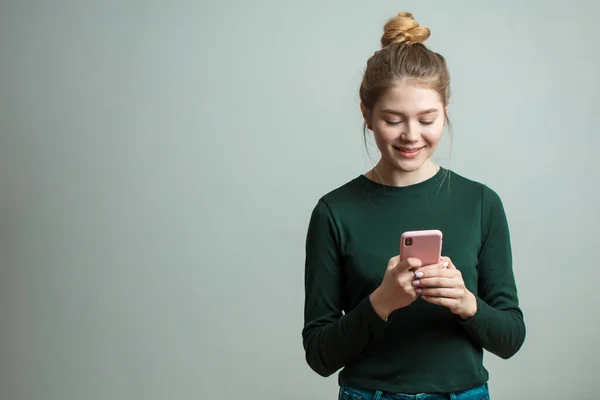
478, 393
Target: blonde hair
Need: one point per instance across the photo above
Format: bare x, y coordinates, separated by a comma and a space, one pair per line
404, 57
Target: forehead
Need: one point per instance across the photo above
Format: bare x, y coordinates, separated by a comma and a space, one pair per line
409, 98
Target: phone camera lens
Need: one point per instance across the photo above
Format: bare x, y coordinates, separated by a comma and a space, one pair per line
408, 241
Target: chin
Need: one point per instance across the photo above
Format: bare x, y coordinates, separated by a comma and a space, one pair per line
408, 165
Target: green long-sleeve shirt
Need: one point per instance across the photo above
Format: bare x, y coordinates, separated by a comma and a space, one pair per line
353, 231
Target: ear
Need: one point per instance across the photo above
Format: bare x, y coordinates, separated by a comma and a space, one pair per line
366, 115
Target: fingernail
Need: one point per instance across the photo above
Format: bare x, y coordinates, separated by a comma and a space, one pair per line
418, 274
446, 264
415, 283
419, 290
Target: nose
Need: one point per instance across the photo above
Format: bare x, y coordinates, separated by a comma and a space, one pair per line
411, 133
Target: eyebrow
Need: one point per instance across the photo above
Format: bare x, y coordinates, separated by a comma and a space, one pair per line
428, 111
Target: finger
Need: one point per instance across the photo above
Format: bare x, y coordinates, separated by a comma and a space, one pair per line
409, 264
432, 267
434, 273
440, 301
434, 282
393, 262
439, 292
447, 262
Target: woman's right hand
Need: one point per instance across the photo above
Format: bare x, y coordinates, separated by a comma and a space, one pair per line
397, 289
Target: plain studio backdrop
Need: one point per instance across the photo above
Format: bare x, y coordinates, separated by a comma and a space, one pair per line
159, 162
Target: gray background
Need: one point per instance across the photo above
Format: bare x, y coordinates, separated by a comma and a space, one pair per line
159, 162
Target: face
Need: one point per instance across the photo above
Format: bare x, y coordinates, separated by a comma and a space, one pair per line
407, 123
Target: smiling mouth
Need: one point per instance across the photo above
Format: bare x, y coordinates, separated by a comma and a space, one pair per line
407, 149
408, 152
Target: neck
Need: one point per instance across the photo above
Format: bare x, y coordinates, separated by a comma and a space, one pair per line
387, 174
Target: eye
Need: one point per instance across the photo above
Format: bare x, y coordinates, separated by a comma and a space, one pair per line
392, 123
427, 122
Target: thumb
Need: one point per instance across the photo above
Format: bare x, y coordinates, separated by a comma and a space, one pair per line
410, 263
393, 263
447, 263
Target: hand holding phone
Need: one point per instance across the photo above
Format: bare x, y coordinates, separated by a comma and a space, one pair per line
397, 290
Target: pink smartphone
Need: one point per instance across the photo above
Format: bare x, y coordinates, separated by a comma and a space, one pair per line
425, 245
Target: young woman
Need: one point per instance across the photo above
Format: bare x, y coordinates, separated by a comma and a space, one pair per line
401, 329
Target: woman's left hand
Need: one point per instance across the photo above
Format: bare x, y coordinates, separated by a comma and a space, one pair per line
445, 287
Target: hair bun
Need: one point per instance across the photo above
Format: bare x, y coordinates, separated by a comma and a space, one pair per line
403, 29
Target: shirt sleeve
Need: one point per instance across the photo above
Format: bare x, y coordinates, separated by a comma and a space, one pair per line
331, 337
498, 323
